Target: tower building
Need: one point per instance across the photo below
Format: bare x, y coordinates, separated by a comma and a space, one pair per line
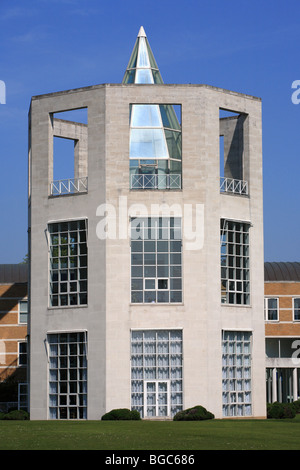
146, 272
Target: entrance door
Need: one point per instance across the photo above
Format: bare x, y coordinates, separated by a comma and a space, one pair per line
157, 400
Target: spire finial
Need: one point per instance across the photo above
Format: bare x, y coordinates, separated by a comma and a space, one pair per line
142, 32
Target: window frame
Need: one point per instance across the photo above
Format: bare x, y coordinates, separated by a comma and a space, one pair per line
166, 267
67, 375
23, 313
23, 354
235, 261
294, 309
267, 309
59, 270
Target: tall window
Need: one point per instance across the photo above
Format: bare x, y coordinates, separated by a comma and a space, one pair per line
67, 376
235, 263
22, 353
156, 264
23, 311
271, 309
68, 263
155, 147
156, 372
296, 309
236, 373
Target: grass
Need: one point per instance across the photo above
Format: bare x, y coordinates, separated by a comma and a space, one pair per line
151, 435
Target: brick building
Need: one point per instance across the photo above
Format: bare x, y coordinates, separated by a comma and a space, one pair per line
282, 330
13, 332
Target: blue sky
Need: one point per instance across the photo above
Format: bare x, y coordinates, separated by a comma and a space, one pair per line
246, 46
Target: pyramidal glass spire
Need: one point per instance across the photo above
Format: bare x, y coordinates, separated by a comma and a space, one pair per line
142, 67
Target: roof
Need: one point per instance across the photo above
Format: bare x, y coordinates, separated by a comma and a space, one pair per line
11, 273
282, 271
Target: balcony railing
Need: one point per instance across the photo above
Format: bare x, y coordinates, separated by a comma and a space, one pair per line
172, 181
230, 185
69, 186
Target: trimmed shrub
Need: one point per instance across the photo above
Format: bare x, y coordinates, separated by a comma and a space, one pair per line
297, 406
1, 415
197, 413
121, 414
278, 410
18, 415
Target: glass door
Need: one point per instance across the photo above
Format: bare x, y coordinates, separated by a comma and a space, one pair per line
157, 398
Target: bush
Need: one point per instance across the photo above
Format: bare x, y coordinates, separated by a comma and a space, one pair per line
278, 410
297, 406
197, 413
18, 415
121, 414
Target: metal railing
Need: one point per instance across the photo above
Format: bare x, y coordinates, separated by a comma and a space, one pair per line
171, 181
69, 186
230, 185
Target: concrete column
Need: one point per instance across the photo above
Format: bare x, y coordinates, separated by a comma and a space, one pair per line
274, 385
295, 384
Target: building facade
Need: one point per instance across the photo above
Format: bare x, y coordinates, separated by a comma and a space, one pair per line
146, 272
13, 335
282, 328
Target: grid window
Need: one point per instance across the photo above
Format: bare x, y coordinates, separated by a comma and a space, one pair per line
296, 309
67, 376
236, 373
156, 372
68, 263
235, 263
156, 260
271, 309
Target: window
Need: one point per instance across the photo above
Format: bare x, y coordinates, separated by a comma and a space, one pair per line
68, 263
69, 163
23, 311
22, 353
156, 372
234, 154
236, 373
156, 265
235, 265
67, 375
296, 308
155, 146
271, 309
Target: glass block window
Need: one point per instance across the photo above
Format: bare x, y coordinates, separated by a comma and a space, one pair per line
156, 260
67, 375
156, 372
68, 263
271, 309
235, 263
236, 373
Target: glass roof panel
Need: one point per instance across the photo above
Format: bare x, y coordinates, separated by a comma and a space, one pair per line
145, 115
169, 117
144, 76
143, 58
148, 144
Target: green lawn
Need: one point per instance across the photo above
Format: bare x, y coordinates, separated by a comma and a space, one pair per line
151, 435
